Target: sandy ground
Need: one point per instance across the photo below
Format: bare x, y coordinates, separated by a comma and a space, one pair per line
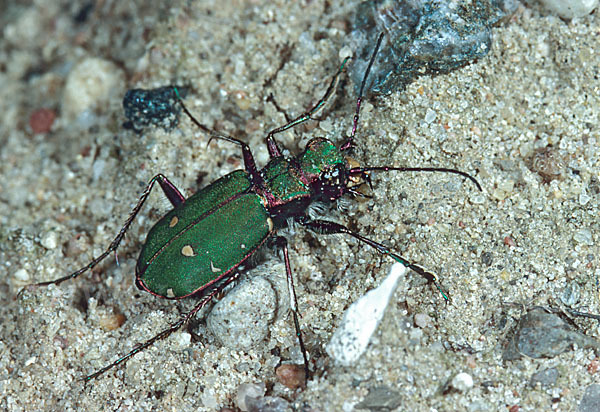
524, 120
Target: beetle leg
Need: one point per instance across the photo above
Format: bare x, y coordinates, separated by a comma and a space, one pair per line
282, 244
326, 227
249, 163
165, 333
272, 145
171, 193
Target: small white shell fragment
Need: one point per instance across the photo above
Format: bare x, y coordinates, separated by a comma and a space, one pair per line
361, 319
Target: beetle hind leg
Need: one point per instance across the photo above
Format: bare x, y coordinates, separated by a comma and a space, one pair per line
165, 333
170, 191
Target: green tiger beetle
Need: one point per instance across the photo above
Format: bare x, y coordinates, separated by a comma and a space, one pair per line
197, 248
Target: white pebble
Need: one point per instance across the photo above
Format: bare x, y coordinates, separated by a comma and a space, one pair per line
249, 390
462, 382
571, 8
90, 84
50, 240
21, 275
361, 319
345, 52
182, 340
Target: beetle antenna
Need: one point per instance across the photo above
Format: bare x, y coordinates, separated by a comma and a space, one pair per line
357, 170
349, 142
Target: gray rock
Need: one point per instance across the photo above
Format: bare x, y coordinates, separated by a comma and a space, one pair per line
422, 36
380, 398
242, 318
541, 334
546, 378
591, 399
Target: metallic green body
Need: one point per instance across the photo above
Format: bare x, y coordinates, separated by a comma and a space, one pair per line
204, 238
210, 234
320, 155
283, 181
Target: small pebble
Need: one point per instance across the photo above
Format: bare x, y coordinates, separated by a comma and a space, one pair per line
584, 237
422, 320
249, 391
291, 376
545, 378
591, 399
508, 241
112, 321
571, 294
462, 382
381, 398
89, 85
268, 404
159, 107
22, 275
208, 399
242, 100
242, 319
41, 120
50, 240
540, 334
593, 366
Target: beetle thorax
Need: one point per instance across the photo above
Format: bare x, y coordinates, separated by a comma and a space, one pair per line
325, 168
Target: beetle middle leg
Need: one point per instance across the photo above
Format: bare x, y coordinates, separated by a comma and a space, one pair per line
282, 244
170, 191
327, 228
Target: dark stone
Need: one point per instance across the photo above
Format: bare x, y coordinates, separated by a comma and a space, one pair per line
546, 378
380, 398
422, 37
540, 334
152, 107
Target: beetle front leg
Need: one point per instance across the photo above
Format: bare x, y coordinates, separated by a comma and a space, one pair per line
327, 228
282, 244
249, 163
272, 145
171, 192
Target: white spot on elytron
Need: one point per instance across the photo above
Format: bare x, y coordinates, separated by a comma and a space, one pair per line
243, 246
213, 268
170, 293
270, 223
187, 251
173, 221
